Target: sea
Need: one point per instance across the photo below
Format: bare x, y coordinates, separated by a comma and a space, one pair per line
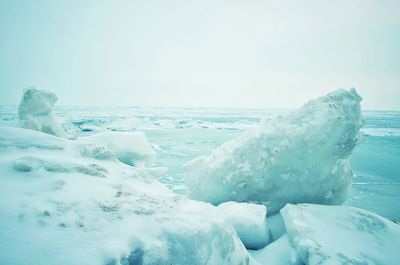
181, 134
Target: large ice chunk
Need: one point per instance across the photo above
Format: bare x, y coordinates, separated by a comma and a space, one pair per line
341, 235
131, 148
65, 202
35, 112
249, 221
301, 157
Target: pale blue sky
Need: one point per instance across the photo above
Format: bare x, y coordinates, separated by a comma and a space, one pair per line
200, 53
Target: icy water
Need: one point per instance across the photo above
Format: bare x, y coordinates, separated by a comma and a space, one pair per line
180, 134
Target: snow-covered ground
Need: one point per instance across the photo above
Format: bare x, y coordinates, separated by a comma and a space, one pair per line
63, 202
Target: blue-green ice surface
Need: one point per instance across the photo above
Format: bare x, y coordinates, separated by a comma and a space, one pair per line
181, 134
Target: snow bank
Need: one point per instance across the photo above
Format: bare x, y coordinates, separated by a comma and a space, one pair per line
131, 148
35, 112
301, 157
249, 221
341, 235
65, 202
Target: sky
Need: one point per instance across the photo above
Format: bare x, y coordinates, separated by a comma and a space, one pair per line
219, 53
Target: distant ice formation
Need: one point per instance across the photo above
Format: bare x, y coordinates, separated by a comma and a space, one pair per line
65, 202
35, 112
300, 157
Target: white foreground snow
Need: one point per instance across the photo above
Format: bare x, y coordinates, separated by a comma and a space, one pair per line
249, 221
302, 157
64, 202
35, 112
131, 148
341, 235
332, 235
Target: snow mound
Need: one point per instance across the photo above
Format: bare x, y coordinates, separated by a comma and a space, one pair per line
131, 148
300, 157
66, 202
341, 235
249, 221
35, 112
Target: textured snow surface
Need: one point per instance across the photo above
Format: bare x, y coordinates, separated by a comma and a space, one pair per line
35, 112
249, 221
300, 157
64, 202
341, 235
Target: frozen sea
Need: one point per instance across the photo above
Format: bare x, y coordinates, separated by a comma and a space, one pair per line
181, 134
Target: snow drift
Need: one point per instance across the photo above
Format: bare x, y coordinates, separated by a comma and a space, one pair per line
65, 202
35, 112
301, 157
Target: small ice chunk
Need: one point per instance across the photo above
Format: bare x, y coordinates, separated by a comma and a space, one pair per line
301, 157
341, 235
131, 148
249, 221
280, 252
35, 112
275, 227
